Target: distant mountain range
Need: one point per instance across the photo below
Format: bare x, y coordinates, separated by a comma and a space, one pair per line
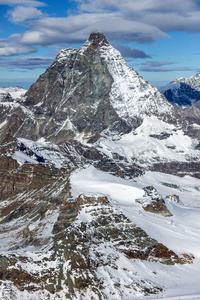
185, 92
11, 93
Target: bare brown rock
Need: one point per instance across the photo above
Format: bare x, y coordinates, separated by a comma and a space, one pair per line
153, 202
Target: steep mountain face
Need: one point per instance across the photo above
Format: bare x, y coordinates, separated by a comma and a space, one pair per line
88, 91
99, 185
183, 91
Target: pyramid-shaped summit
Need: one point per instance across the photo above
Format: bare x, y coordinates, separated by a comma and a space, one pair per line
98, 38
89, 91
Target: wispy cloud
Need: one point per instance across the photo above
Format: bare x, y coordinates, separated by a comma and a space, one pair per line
168, 15
142, 5
141, 21
49, 31
29, 62
76, 29
160, 66
131, 53
34, 3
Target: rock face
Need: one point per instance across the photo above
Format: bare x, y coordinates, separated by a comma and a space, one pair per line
185, 93
192, 113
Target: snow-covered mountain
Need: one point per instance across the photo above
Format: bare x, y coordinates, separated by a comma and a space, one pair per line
87, 92
99, 186
11, 93
183, 91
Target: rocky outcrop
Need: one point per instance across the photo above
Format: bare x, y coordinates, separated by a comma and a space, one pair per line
79, 249
178, 168
80, 154
192, 113
185, 93
153, 202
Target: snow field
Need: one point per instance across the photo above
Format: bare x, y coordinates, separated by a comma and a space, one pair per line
180, 233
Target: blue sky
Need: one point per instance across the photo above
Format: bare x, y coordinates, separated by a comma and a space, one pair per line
159, 39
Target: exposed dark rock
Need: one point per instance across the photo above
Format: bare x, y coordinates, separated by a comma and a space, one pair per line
178, 168
162, 136
184, 95
153, 202
74, 96
192, 113
173, 198
79, 245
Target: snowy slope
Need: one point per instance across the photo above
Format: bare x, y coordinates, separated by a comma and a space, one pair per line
31, 152
179, 232
15, 92
131, 96
153, 141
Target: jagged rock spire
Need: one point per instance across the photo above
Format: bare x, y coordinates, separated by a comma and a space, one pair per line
98, 38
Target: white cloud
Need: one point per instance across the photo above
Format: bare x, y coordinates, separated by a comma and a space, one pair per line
129, 20
188, 22
161, 66
22, 2
138, 5
49, 31
13, 46
167, 15
21, 13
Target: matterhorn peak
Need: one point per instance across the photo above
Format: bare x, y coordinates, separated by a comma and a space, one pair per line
90, 91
